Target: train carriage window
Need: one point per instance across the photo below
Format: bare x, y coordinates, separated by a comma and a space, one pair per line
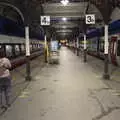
101, 46
23, 48
17, 50
9, 52
0, 46
93, 45
39, 45
118, 48
34, 46
30, 47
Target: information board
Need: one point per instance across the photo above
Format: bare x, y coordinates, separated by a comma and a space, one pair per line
54, 45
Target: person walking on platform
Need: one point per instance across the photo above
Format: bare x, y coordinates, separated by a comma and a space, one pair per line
5, 80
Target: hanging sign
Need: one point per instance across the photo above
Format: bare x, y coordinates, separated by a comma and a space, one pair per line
45, 20
90, 19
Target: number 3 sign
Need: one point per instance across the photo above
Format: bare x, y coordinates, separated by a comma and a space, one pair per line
90, 19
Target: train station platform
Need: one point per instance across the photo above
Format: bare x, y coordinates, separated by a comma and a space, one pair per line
71, 90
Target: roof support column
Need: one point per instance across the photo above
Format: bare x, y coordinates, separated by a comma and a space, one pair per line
27, 43
77, 46
105, 7
85, 48
85, 43
106, 42
106, 61
74, 47
45, 44
45, 47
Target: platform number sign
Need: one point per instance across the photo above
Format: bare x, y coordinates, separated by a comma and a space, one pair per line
45, 20
90, 19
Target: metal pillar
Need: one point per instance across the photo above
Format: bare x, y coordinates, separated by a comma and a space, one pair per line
106, 17
106, 61
45, 48
85, 49
28, 72
74, 48
98, 46
77, 46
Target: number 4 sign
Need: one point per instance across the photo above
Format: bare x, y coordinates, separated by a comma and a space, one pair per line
45, 20
90, 19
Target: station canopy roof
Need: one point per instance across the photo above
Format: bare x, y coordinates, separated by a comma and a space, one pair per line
66, 21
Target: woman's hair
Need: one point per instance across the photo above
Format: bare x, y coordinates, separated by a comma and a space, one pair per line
2, 53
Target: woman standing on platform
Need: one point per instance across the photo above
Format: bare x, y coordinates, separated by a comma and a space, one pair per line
5, 79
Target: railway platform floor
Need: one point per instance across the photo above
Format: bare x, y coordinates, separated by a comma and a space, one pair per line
71, 90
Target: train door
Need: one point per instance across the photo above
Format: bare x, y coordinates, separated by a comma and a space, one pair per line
113, 52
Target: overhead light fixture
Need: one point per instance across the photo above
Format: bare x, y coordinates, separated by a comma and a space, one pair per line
64, 2
64, 19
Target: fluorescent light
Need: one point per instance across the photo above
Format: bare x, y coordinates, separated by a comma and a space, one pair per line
64, 19
64, 2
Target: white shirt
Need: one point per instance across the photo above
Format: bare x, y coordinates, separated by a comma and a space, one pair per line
4, 64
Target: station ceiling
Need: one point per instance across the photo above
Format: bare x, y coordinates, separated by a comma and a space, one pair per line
74, 13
